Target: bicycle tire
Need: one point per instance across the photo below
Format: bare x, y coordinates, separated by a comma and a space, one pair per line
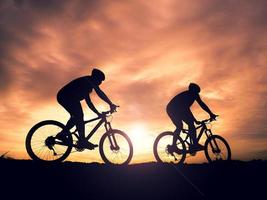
104, 150
34, 130
169, 158
221, 140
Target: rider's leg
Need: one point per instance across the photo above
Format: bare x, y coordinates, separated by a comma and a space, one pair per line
77, 119
179, 126
176, 120
62, 135
77, 114
75, 110
68, 106
80, 127
192, 132
189, 120
70, 124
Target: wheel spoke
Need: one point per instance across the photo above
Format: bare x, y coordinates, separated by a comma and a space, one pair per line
38, 151
122, 155
42, 137
221, 151
41, 152
161, 149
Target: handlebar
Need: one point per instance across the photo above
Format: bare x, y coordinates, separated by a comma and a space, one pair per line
103, 115
209, 120
110, 111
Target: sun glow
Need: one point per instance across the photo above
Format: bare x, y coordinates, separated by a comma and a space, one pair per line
140, 138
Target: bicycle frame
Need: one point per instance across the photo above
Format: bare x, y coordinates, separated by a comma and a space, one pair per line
107, 126
102, 120
204, 129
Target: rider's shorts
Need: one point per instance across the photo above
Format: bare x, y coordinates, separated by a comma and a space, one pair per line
73, 107
178, 115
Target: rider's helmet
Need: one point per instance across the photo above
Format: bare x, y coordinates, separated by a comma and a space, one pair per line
193, 87
98, 75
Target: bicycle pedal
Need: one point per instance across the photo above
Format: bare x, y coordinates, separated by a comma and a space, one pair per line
90, 148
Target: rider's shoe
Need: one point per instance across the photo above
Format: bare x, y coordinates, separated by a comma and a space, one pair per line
86, 144
173, 149
200, 147
63, 136
196, 147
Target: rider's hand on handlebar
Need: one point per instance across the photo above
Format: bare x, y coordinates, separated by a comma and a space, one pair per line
113, 108
213, 117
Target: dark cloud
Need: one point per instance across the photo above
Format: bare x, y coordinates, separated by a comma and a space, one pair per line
21, 27
4, 78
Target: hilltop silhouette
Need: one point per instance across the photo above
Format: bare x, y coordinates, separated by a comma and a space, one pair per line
30, 180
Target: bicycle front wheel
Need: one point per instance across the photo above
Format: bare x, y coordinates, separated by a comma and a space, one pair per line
217, 149
115, 147
42, 145
163, 154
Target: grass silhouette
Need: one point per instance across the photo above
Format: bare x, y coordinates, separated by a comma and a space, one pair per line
3, 156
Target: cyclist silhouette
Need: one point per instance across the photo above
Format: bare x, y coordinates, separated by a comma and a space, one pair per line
70, 96
178, 110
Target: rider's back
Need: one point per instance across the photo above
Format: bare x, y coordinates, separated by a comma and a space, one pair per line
77, 89
183, 100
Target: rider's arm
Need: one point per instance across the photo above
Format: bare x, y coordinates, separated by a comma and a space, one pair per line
101, 94
204, 106
91, 105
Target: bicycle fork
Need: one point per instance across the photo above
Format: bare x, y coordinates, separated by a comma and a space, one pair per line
214, 146
111, 138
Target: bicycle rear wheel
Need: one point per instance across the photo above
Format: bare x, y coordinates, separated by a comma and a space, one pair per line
161, 152
115, 147
42, 145
217, 149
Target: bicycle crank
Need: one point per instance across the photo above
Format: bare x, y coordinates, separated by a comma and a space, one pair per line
50, 142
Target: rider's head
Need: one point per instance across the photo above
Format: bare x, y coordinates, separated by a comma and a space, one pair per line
194, 88
98, 76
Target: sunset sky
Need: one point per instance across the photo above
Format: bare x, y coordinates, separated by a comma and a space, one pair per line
149, 51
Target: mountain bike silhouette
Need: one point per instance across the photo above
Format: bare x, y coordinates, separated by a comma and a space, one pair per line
115, 146
216, 147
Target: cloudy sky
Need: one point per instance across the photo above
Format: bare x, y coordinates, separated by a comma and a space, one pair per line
150, 51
